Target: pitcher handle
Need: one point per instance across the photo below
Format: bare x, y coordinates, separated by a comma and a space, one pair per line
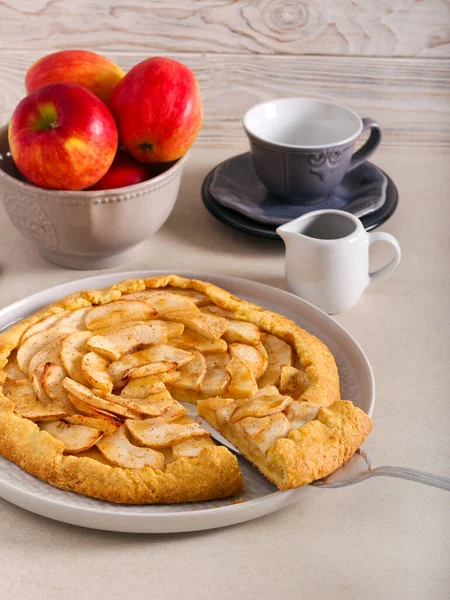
380, 236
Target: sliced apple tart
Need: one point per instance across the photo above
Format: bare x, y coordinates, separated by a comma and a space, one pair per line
91, 389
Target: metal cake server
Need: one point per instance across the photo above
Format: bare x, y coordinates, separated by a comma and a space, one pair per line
356, 469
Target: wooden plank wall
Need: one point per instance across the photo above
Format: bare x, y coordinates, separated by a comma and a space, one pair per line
388, 59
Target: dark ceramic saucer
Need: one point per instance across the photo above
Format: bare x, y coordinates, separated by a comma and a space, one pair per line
235, 185
267, 230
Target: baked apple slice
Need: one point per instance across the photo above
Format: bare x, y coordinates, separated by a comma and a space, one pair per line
254, 356
191, 447
242, 332
209, 326
198, 298
173, 329
236, 331
157, 433
263, 432
212, 309
190, 340
279, 353
26, 403
161, 405
192, 373
115, 345
35, 343
49, 353
85, 409
103, 423
262, 404
300, 413
243, 383
120, 452
51, 379
165, 302
108, 402
117, 312
36, 382
95, 371
163, 355
293, 381
122, 368
72, 351
74, 318
217, 378
145, 386
76, 438
43, 324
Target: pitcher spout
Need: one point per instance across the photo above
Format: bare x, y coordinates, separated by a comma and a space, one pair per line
287, 232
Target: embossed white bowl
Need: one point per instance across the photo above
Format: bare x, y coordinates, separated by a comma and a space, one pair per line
87, 230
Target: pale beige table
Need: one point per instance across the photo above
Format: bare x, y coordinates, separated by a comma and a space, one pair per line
383, 539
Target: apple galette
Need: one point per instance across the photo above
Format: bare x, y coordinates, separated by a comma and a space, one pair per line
91, 388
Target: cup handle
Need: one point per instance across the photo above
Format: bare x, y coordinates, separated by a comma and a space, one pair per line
385, 237
371, 144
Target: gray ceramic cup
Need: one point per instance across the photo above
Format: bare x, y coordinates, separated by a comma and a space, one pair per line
302, 147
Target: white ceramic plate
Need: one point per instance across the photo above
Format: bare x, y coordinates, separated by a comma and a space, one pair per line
260, 496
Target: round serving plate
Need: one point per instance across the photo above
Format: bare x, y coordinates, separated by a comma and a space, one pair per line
259, 497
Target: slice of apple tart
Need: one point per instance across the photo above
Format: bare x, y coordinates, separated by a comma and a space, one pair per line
91, 389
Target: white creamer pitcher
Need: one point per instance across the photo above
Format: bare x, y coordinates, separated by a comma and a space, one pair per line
327, 258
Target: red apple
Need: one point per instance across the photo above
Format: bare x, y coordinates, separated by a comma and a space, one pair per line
124, 171
90, 70
62, 137
158, 110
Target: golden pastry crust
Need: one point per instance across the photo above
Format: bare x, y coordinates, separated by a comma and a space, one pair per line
311, 452
304, 455
213, 474
319, 447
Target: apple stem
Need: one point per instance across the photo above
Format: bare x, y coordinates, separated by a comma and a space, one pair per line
53, 124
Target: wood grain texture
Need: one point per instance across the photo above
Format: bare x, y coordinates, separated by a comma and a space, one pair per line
409, 97
331, 27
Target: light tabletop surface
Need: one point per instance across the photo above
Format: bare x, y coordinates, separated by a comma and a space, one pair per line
384, 538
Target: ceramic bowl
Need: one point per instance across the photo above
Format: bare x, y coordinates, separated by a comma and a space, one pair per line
84, 229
